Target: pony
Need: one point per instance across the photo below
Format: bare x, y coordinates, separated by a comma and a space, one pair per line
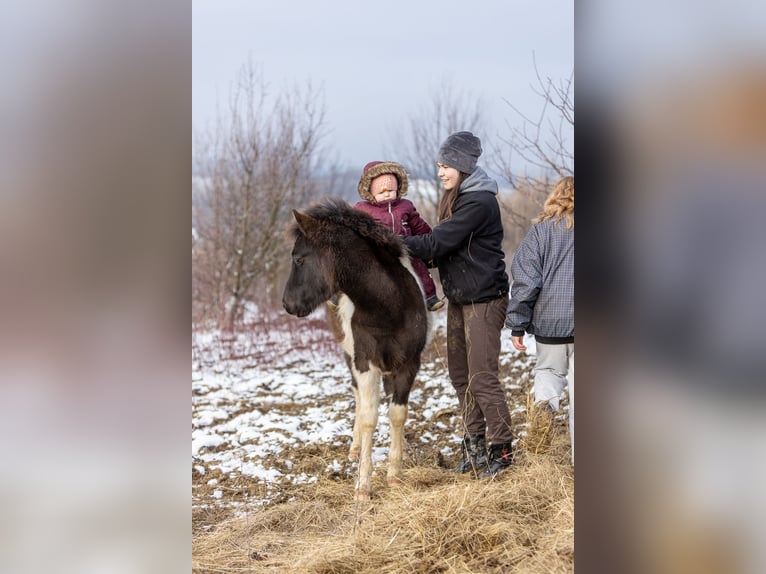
376, 308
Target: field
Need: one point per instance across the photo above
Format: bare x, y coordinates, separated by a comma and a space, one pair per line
272, 488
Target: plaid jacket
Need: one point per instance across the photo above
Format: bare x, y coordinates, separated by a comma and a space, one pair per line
542, 291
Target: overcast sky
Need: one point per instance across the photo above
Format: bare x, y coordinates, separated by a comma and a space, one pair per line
380, 62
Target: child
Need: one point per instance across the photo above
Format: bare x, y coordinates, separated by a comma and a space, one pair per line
542, 300
383, 186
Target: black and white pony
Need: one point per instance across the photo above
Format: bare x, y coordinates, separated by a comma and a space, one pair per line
380, 318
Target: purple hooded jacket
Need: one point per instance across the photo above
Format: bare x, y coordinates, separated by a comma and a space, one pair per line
399, 215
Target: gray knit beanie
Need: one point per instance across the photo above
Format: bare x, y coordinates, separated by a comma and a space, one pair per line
460, 150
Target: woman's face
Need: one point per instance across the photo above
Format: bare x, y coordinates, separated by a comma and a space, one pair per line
448, 175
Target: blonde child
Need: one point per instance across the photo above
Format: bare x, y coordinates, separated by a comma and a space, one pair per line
542, 298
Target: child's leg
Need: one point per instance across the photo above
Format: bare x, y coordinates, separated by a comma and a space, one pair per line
425, 277
550, 373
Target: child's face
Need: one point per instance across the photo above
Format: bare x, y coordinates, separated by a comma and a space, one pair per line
384, 187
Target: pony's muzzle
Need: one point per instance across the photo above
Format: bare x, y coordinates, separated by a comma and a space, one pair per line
295, 310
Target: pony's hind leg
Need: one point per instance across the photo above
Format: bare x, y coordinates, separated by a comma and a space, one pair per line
397, 416
388, 387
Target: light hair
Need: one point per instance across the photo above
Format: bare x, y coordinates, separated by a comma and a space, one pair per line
560, 203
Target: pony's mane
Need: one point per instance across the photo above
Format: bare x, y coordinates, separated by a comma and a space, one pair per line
334, 212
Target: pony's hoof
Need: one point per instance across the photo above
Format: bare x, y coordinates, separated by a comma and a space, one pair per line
353, 455
394, 482
362, 495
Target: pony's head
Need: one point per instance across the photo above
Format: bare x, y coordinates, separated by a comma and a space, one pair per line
312, 277
326, 236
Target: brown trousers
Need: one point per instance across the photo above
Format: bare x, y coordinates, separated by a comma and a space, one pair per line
473, 351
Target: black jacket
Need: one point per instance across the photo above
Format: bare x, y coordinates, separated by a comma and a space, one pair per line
468, 248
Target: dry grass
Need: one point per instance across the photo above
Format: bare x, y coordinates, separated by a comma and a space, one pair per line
521, 521
436, 522
541, 427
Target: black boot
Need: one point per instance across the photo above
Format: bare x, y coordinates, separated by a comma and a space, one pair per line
474, 450
500, 458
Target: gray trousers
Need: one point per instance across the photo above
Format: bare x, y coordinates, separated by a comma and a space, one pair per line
473, 351
554, 370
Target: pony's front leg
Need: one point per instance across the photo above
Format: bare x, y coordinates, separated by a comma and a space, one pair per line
397, 415
368, 394
353, 452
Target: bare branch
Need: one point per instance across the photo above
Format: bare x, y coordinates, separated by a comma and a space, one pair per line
447, 110
540, 145
260, 162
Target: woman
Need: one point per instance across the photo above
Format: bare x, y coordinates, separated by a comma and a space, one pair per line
466, 246
542, 304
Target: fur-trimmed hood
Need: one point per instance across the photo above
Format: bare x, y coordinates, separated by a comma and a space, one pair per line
397, 170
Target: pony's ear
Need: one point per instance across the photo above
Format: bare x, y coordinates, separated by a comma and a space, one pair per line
304, 221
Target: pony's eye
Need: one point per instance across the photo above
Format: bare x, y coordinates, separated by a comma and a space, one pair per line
299, 260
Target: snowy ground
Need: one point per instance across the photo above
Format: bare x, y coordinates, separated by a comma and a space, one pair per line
272, 407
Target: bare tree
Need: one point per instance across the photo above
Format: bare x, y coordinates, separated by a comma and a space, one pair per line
258, 163
520, 207
543, 145
448, 110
